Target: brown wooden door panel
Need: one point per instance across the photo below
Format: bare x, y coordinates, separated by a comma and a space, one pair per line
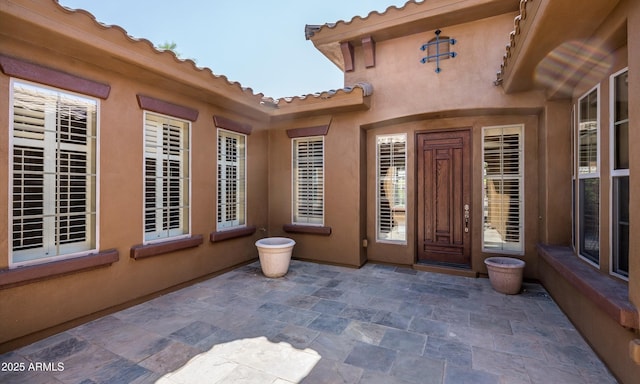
443, 191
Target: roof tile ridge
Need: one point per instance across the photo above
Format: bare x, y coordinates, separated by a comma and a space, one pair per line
370, 14
149, 44
367, 90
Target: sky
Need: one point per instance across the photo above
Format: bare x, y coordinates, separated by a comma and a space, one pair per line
258, 43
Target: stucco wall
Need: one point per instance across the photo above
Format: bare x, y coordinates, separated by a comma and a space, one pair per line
342, 209
608, 339
35, 306
403, 86
554, 168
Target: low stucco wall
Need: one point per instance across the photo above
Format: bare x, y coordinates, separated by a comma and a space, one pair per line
608, 339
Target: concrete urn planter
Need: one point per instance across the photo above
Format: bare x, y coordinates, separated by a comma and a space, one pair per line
275, 255
505, 274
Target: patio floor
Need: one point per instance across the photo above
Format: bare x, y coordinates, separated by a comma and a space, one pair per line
322, 324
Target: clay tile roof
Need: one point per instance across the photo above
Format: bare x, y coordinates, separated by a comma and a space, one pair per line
236, 93
513, 36
311, 30
367, 90
149, 44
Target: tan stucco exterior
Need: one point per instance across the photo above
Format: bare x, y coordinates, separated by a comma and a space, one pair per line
394, 93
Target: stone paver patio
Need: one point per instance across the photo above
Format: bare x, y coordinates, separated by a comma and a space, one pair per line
322, 324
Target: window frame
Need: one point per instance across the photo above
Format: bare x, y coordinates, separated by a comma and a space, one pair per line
587, 176
520, 177
574, 180
92, 185
241, 202
186, 219
614, 173
295, 214
379, 178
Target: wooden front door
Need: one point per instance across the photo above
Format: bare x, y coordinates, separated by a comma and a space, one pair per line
444, 197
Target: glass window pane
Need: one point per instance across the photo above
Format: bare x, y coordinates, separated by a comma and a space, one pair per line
622, 146
590, 219
54, 173
166, 172
308, 181
621, 225
503, 194
622, 97
231, 180
621, 122
391, 191
588, 134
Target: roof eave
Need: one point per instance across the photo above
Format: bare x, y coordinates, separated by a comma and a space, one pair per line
352, 99
540, 31
109, 47
395, 22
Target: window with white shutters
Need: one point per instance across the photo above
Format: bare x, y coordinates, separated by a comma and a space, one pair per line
54, 210
391, 193
308, 181
231, 180
503, 189
166, 181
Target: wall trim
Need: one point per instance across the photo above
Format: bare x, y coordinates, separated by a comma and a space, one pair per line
232, 125
309, 229
610, 295
156, 105
143, 251
37, 73
25, 275
232, 233
318, 130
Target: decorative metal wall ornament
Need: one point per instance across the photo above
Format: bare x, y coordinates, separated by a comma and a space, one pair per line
438, 49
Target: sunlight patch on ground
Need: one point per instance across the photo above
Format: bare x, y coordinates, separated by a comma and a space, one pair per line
256, 360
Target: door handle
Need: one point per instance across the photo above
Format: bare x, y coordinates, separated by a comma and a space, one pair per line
466, 218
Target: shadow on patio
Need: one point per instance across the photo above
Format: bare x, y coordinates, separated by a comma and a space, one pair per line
322, 324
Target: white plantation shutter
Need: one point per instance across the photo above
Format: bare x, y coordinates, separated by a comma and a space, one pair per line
391, 186
29, 113
503, 189
308, 181
166, 204
54, 173
231, 179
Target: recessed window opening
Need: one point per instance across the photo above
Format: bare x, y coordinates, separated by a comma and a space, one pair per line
588, 191
391, 193
54, 174
308, 181
503, 189
166, 177
231, 180
620, 174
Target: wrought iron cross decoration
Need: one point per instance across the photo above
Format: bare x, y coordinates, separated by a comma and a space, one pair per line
437, 55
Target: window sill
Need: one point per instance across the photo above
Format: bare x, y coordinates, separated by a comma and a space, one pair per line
149, 250
309, 229
215, 237
610, 295
25, 275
